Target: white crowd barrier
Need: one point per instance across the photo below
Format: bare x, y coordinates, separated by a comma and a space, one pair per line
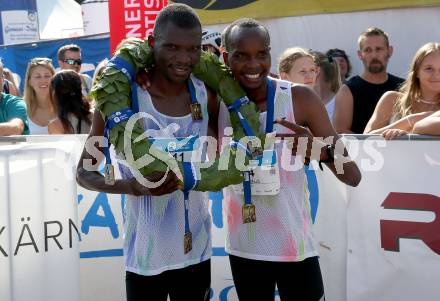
378, 241
38, 224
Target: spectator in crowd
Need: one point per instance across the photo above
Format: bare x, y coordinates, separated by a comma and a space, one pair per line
69, 58
297, 65
39, 72
341, 57
74, 115
402, 112
429, 125
10, 86
357, 98
211, 41
274, 246
13, 115
328, 81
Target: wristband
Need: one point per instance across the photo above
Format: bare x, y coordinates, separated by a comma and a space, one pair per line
330, 151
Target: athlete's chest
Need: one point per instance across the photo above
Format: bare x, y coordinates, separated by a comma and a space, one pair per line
175, 106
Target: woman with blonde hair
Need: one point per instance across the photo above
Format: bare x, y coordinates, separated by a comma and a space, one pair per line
328, 81
399, 113
36, 95
297, 65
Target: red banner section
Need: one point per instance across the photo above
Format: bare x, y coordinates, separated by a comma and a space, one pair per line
132, 18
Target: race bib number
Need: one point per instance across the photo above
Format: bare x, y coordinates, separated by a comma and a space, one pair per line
265, 177
186, 149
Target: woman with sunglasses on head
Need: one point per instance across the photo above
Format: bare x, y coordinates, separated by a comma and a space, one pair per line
74, 115
343, 61
36, 95
403, 112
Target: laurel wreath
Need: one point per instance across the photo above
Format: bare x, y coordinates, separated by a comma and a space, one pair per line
112, 93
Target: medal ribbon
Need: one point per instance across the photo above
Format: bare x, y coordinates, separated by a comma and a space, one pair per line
270, 100
189, 180
114, 119
124, 114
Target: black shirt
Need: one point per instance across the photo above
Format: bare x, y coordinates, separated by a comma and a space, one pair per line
365, 98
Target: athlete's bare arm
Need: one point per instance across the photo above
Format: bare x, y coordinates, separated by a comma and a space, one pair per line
312, 120
93, 180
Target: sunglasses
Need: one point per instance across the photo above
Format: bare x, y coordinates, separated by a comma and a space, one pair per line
72, 62
37, 60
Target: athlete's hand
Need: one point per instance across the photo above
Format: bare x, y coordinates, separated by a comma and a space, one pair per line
143, 80
301, 136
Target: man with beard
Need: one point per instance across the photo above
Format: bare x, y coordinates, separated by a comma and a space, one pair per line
357, 98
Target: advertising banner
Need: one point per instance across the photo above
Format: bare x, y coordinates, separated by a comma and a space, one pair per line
393, 226
19, 26
18, 22
225, 11
95, 17
16, 57
39, 234
132, 18
377, 241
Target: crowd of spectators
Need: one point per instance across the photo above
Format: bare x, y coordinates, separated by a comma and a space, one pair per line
373, 102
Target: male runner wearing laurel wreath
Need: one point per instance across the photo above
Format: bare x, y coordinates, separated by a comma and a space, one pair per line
163, 257
274, 245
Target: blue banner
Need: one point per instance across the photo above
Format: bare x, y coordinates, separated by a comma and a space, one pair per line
16, 57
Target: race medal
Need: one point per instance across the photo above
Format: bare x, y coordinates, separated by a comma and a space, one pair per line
187, 242
256, 151
196, 111
109, 175
248, 213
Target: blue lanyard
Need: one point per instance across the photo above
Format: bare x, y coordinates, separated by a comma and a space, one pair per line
235, 106
189, 181
270, 103
192, 91
124, 114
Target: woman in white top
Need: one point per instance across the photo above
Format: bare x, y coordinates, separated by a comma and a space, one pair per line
74, 115
399, 113
328, 81
36, 95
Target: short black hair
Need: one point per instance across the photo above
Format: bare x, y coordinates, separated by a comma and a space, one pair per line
243, 23
180, 15
69, 47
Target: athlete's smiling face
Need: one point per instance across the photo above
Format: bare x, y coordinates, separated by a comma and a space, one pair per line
249, 56
177, 51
